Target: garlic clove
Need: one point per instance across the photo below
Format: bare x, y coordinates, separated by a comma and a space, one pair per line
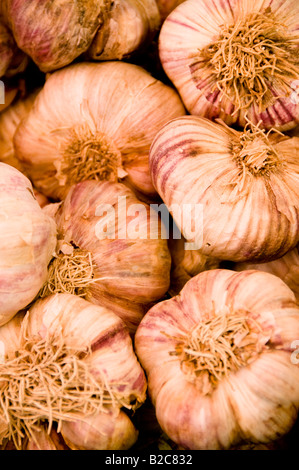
103, 431
116, 109
219, 76
131, 25
43, 440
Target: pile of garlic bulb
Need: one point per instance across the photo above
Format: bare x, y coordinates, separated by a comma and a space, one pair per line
149, 215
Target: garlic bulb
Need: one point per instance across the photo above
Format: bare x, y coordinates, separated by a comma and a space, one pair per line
74, 360
233, 60
110, 250
167, 6
220, 359
94, 121
103, 431
10, 119
286, 267
28, 241
55, 33
241, 188
131, 25
186, 264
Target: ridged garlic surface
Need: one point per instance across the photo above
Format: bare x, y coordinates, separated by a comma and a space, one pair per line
78, 362
235, 59
132, 24
220, 360
28, 242
246, 185
94, 121
110, 250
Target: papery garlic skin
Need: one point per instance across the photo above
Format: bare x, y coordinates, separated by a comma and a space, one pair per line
55, 33
28, 241
131, 25
190, 44
131, 270
286, 268
245, 183
200, 406
104, 431
106, 114
9, 121
88, 368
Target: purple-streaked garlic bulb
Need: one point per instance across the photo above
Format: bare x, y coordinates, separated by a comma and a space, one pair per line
221, 359
235, 59
94, 121
234, 194
55, 33
111, 250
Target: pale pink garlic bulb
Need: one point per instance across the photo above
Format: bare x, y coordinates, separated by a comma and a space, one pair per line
221, 360
55, 33
110, 250
104, 431
28, 242
80, 357
235, 59
167, 6
286, 267
94, 121
244, 186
